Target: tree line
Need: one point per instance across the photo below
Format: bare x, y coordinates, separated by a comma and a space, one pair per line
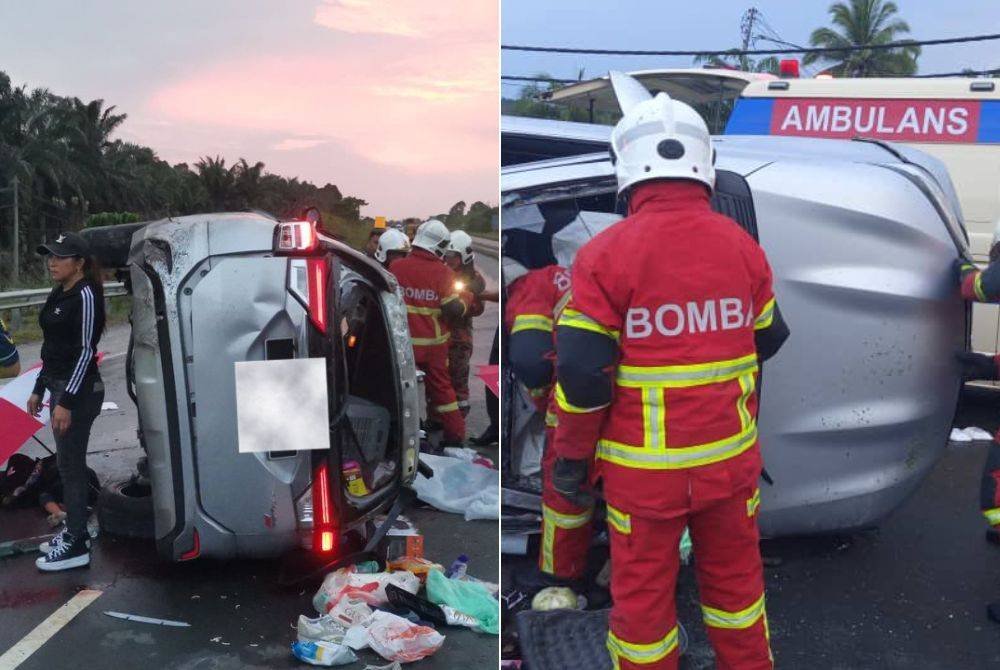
71, 171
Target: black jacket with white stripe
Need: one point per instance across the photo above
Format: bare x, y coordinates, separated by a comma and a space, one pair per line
72, 322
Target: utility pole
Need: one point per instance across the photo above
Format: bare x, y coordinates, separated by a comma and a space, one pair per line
746, 30
17, 236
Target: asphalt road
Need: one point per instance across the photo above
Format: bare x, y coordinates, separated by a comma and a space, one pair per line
910, 594
239, 616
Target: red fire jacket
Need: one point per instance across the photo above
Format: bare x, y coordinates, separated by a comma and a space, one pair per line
681, 290
428, 285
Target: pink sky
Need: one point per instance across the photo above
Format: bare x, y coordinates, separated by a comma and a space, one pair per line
395, 101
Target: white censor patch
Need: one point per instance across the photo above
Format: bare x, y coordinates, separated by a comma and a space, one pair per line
282, 405
670, 320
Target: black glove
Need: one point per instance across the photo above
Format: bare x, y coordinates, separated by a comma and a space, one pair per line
569, 479
977, 366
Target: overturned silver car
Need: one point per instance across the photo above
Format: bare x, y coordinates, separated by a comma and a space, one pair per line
857, 407
213, 290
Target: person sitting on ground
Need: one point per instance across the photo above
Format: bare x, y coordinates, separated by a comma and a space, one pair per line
10, 364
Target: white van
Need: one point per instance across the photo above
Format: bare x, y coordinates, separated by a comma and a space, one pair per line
954, 119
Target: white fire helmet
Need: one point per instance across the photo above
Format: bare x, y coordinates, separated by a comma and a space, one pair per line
658, 138
461, 243
433, 236
391, 240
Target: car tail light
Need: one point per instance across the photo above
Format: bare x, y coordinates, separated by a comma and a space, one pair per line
296, 238
195, 550
325, 530
317, 272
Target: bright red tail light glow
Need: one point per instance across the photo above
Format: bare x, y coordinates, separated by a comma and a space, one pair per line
324, 517
317, 271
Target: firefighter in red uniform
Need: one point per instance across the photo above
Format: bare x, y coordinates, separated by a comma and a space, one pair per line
461, 260
984, 286
432, 303
534, 303
657, 358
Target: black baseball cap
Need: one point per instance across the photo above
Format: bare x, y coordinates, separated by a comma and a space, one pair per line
64, 246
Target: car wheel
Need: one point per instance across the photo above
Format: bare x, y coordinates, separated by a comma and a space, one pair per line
126, 509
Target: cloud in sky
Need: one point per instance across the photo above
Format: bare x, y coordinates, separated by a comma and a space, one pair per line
418, 94
298, 143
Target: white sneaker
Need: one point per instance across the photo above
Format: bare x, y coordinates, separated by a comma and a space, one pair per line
320, 629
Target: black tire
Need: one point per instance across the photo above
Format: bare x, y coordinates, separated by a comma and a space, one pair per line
126, 509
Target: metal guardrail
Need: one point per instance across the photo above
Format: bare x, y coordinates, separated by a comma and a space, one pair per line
486, 247
35, 297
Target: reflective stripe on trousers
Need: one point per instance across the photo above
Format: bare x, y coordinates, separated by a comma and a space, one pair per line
551, 520
641, 654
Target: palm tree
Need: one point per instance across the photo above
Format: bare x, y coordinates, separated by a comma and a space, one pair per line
218, 181
861, 22
248, 184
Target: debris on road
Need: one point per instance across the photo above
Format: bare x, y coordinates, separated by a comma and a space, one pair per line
555, 598
323, 653
470, 598
460, 487
395, 639
149, 620
347, 583
415, 564
970, 434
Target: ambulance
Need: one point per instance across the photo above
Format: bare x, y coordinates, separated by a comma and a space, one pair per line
956, 120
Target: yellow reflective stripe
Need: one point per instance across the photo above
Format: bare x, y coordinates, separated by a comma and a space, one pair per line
766, 316
566, 406
423, 311
753, 503
992, 515
977, 285
744, 618
429, 341
551, 520
677, 458
566, 521
551, 420
620, 521
449, 298
680, 376
444, 409
531, 322
574, 319
548, 544
747, 384
653, 413
561, 305
641, 653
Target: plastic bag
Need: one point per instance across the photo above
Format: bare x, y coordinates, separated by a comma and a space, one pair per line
346, 583
460, 487
396, 639
323, 653
470, 598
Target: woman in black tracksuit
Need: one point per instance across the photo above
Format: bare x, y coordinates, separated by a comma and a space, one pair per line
72, 321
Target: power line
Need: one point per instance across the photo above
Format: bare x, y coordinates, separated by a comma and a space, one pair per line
753, 52
505, 77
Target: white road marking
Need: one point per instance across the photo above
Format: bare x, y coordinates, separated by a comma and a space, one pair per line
33, 641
